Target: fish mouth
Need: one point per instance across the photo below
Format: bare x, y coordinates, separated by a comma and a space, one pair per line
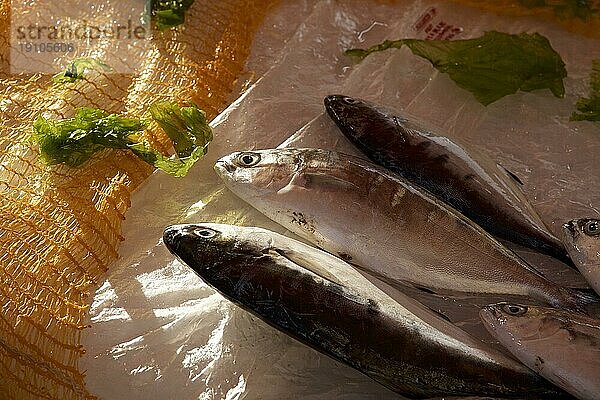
172, 238
569, 230
341, 109
333, 105
569, 227
179, 237
491, 314
223, 167
191, 243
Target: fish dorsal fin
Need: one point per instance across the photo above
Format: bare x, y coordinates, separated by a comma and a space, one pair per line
512, 175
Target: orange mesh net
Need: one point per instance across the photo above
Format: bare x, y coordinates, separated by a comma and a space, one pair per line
60, 227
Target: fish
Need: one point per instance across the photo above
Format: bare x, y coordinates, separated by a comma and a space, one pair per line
322, 301
381, 222
560, 346
484, 191
582, 240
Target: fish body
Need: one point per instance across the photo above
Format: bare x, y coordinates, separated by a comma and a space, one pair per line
482, 190
381, 222
582, 240
562, 347
324, 302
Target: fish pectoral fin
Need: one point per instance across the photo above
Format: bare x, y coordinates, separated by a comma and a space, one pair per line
398, 284
308, 262
511, 175
327, 180
298, 182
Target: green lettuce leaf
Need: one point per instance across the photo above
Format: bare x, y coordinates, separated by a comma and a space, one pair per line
186, 126
492, 66
75, 140
589, 107
169, 13
177, 167
76, 69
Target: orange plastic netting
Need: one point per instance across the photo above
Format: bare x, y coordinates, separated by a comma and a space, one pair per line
60, 227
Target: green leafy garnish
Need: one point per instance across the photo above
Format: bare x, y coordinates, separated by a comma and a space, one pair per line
581, 9
73, 141
589, 108
169, 13
76, 69
187, 128
492, 66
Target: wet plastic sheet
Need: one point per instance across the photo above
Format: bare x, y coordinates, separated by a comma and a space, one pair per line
159, 332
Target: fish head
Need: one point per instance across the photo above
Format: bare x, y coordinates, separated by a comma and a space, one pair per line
258, 174
215, 249
530, 332
370, 127
514, 323
582, 240
352, 115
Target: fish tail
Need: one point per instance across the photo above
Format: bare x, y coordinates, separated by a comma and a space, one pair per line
576, 300
585, 296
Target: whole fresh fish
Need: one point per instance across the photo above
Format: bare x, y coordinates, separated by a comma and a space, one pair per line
562, 347
482, 190
322, 301
582, 240
381, 222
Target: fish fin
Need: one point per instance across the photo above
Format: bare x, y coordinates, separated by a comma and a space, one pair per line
307, 262
298, 182
512, 175
585, 296
394, 283
324, 179
576, 300
398, 284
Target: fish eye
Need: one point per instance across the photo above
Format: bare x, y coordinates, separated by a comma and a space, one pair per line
592, 227
350, 100
248, 159
514, 309
204, 233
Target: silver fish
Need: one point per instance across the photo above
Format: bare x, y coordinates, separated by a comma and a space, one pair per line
322, 301
582, 240
379, 221
482, 190
562, 347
